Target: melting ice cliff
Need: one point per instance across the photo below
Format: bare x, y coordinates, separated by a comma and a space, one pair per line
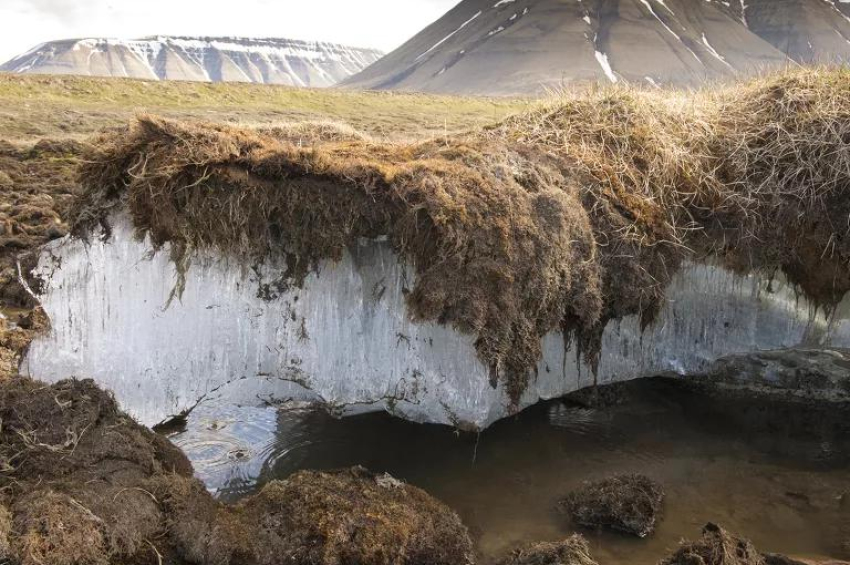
345, 339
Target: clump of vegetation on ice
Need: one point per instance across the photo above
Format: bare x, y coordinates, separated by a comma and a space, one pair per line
562, 218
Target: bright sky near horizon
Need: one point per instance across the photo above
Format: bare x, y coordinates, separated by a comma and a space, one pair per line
384, 24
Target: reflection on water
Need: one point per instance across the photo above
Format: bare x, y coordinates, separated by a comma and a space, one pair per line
768, 471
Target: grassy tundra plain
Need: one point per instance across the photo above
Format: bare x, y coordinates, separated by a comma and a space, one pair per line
34, 107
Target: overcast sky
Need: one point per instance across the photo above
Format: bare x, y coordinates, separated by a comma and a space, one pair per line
384, 24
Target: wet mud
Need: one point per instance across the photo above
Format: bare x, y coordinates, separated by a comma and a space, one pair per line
771, 470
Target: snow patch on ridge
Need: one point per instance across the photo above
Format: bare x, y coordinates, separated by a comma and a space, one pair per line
714, 52
668, 28
602, 58
449, 36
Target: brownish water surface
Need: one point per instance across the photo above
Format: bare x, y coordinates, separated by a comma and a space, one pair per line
770, 471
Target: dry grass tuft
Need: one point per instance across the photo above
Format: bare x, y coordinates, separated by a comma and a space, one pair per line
565, 217
56, 529
329, 518
572, 551
630, 504
717, 547
309, 133
354, 516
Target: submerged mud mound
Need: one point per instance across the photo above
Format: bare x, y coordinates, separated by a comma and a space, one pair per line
628, 503
564, 218
572, 551
82, 484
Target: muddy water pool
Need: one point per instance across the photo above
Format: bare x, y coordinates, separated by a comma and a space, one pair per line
771, 471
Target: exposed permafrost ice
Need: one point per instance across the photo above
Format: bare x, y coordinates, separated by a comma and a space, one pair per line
345, 337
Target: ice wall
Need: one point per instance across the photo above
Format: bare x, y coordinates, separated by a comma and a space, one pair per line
345, 339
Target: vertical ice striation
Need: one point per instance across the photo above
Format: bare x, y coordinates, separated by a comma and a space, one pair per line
345, 338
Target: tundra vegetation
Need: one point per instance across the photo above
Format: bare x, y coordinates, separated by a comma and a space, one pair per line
631, 504
571, 551
565, 217
47, 121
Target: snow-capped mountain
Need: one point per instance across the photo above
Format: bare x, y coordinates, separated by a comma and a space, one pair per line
209, 59
525, 46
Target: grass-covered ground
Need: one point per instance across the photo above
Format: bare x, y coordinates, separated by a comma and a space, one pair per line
34, 107
45, 122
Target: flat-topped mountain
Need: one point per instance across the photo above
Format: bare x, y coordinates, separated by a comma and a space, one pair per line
210, 59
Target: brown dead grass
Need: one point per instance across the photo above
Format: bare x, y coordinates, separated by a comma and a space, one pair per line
16, 334
572, 551
565, 217
57, 529
354, 516
312, 518
629, 504
74, 468
717, 547
37, 185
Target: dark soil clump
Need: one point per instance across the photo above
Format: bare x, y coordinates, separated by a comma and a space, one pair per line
83, 484
630, 504
332, 518
354, 516
74, 467
572, 551
717, 547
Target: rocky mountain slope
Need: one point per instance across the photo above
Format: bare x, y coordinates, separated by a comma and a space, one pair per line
271, 61
806, 31
525, 46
